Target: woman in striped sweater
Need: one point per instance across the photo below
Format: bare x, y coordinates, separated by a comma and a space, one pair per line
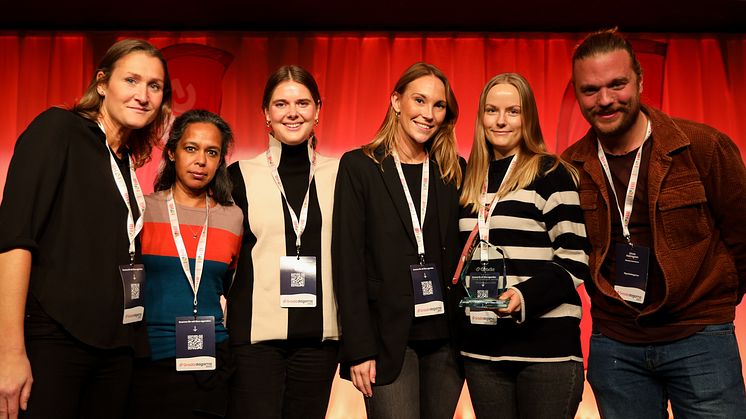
190, 242
523, 360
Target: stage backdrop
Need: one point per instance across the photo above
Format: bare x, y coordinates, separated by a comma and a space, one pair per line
695, 76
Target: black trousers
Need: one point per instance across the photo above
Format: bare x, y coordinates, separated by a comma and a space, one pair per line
160, 392
282, 379
71, 379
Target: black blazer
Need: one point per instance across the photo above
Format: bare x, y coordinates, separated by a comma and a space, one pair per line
373, 245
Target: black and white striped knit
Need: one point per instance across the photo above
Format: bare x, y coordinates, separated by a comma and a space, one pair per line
540, 228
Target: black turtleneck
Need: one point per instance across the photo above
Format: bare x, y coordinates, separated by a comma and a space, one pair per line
294, 168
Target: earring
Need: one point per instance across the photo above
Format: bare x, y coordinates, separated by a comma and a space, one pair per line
316, 121
397, 114
268, 123
101, 92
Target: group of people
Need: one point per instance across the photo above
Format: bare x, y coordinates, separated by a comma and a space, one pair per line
237, 290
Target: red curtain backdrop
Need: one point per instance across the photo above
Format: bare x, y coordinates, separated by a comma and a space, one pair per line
701, 76
697, 77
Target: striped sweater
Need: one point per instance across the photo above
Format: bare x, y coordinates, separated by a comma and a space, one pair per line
167, 292
540, 228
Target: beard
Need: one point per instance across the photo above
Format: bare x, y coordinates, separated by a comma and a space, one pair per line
629, 112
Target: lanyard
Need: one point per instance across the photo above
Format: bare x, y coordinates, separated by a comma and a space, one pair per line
416, 224
199, 258
631, 187
133, 227
485, 211
299, 223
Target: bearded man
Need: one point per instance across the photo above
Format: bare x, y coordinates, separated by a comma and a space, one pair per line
664, 201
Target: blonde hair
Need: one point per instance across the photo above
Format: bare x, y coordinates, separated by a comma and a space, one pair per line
441, 146
532, 148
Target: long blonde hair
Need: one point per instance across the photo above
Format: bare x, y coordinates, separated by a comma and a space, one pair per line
532, 148
442, 145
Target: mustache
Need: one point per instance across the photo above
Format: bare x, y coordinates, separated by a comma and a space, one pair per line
610, 110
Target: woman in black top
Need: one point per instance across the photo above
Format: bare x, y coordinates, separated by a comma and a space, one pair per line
69, 218
282, 315
395, 246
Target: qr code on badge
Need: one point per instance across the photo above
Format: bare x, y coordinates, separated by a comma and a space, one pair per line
297, 280
195, 342
134, 291
427, 287
483, 293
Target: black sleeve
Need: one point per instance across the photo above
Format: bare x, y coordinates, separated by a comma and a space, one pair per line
349, 267
239, 192
34, 174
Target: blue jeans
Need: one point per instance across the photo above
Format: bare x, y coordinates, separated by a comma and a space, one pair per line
700, 375
428, 386
507, 390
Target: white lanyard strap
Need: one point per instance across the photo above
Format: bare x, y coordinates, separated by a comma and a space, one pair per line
199, 258
631, 187
485, 211
299, 223
133, 227
416, 224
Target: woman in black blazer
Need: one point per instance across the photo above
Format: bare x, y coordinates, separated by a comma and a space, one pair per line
391, 276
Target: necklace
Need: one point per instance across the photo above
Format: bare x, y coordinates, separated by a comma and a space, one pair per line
194, 234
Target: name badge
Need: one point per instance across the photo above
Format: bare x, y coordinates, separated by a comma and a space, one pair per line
133, 284
631, 272
195, 343
428, 295
483, 317
297, 281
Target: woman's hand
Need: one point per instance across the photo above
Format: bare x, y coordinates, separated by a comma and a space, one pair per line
15, 384
15, 370
515, 303
363, 376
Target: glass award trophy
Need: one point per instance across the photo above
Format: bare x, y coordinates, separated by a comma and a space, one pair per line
484, 277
